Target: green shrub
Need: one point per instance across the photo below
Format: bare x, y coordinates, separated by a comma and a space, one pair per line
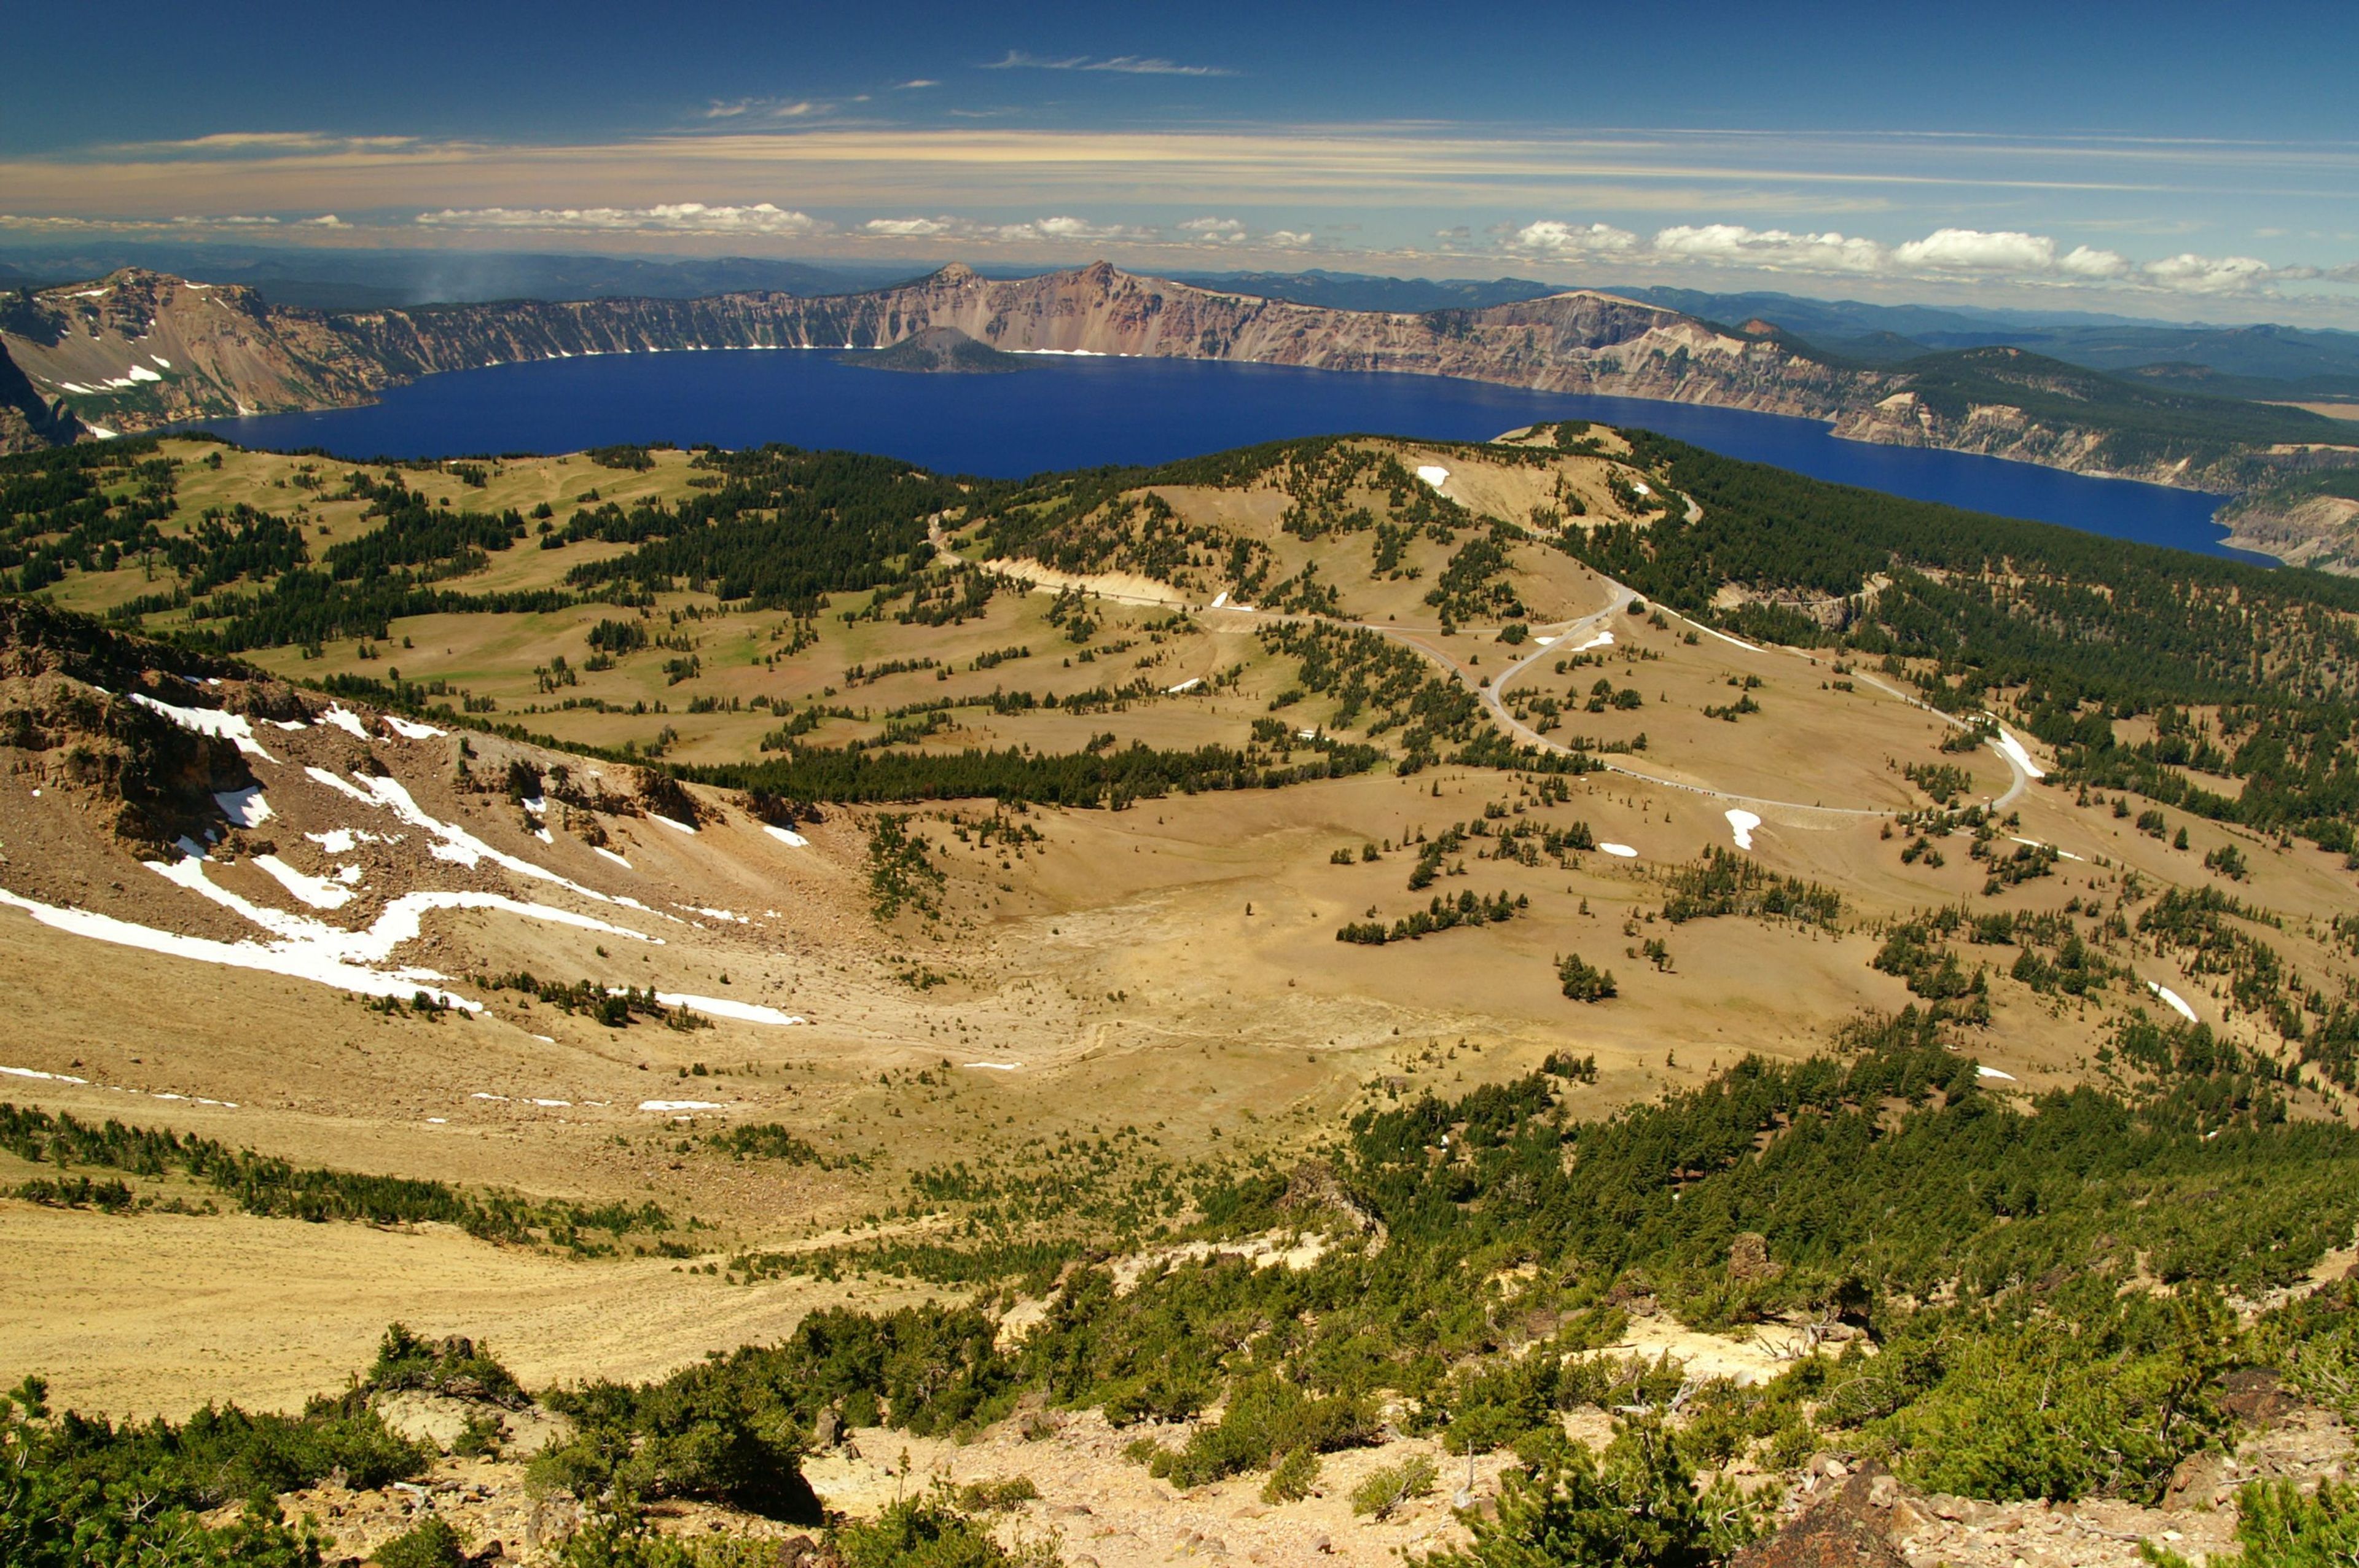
479, 1434
1293, 1477
77, 1490
1386, 1488
456, 1366
2314, 1343
921, 1533
1583, 981
2280, 1527
1637, 1504
733, 1429
1266, 1418
429, 1543
701, 1433
1490, 1403
2109, 1396
996, 1497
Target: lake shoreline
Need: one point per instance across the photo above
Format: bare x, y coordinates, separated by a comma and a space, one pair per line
1080, 411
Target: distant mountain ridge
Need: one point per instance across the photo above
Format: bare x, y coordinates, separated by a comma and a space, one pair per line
401, 280
139, 350
2263, 359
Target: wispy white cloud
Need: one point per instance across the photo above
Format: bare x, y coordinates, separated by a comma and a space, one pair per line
266, 144
916, 83
229, 221
669, 218
1124, 64
777, 111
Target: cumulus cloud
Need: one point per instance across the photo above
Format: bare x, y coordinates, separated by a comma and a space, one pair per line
1979, 250
1124, 64
1072, 229
1215, 230
909, 227
1733, 244
1285, 240
1551, 237
1037, 231
2191, 274
669, 218
2082, 261
1999, 254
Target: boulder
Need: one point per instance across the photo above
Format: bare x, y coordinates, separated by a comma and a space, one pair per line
1849, 1529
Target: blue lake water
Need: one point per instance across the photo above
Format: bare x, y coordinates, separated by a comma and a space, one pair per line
1076, 413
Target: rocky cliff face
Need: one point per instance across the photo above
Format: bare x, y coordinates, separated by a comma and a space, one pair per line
2320, 531
139, 350
29, 421
1993, 430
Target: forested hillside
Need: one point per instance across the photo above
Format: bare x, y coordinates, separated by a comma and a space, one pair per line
2068, 630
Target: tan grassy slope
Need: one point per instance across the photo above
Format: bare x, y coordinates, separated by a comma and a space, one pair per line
1171, 967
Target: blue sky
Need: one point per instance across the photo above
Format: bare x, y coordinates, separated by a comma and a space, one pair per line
2157, 159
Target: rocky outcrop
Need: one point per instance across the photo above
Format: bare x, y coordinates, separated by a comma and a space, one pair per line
29, 421
138, 350
2320, 531
940, 351
1851, 1528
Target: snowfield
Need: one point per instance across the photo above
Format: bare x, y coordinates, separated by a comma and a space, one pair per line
2010, 748
231, 727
